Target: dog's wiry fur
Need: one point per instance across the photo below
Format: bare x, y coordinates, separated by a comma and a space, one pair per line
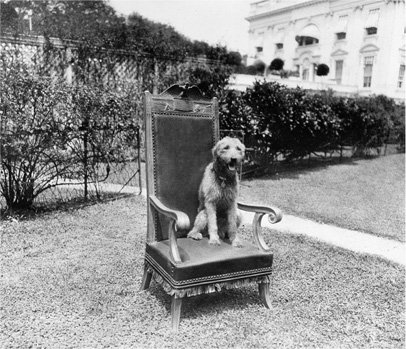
218, 192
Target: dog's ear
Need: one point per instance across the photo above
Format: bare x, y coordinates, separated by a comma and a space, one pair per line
241, 145
215, 151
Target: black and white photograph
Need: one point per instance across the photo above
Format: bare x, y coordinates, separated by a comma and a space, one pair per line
202, 174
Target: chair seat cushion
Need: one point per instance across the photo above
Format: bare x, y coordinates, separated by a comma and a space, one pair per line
204, 264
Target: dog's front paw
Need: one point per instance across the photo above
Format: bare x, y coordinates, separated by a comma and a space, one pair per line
195, 235
236, 242
214, 241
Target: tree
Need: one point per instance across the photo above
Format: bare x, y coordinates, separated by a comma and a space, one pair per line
96, 25
90, 21
322, 69
159, 40
8, 17
233, 58
257, 68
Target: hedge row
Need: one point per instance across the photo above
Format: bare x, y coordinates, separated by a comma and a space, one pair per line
279, 122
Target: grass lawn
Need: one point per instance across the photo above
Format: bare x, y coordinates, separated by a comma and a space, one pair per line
365, 195
70, 279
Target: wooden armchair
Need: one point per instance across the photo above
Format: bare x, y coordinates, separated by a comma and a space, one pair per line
181, 128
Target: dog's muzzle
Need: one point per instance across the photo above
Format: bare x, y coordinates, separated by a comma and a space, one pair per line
232, 165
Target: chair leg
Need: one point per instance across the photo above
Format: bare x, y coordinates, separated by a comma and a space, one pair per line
146, 279
176, 307
264, 294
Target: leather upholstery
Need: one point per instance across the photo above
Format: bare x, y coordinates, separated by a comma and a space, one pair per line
203, 263
182, 150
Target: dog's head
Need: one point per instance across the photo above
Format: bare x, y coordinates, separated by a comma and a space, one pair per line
229, 152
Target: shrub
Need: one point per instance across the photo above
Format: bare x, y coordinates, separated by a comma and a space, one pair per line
397, 134
280, 121
211, 79
251, 70
292, 123
277, 64
260, 66
365, 122
50, 132
257, 68
35, 128
104, 130
322, 69
294, 73
234, 113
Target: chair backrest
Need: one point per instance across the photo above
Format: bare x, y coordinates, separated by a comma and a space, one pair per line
181, 128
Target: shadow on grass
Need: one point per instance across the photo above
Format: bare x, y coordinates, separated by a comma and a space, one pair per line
75, 204
293, 169
208, 305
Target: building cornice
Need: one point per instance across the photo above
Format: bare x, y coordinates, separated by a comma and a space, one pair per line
284, 9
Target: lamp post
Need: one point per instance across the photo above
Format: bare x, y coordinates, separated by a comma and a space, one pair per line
28, 15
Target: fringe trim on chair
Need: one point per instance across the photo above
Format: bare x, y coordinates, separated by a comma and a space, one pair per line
204, 289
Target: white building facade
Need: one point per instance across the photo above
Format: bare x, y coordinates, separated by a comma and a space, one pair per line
361, 41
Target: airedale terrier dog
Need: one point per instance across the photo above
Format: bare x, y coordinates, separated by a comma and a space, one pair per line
217, 212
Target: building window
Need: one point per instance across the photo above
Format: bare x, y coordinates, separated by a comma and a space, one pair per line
307, 40
371, 25
372, 31
401, 77
280, 38
306, 70
309, 35
368, 65
341, 36
305, 74
339, 71
341, 31
314, 71
259, 43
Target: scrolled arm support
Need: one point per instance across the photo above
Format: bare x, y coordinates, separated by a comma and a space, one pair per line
274, 213
179, 220
259, 238
274, 216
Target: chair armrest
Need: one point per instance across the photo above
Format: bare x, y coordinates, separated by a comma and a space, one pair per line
274, 213
274, 216
180, 220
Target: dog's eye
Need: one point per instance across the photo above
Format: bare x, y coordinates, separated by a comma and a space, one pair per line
238, 148
226, 147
